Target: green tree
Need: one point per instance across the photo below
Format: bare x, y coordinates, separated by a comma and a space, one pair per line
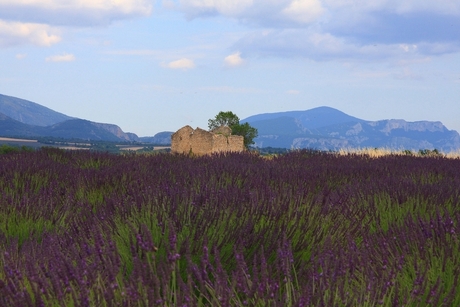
247, 131
231, 120
223, 119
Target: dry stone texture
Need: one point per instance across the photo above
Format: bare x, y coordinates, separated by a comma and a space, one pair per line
202, 142
224, 130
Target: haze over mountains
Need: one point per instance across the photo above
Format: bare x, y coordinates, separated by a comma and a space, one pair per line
321, 128
23, 118
30, 113
326, 128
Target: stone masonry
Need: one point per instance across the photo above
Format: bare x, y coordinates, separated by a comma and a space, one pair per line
202, 142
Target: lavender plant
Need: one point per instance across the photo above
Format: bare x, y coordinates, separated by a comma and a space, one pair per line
300, 229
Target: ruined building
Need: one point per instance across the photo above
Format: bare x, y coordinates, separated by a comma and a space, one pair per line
201, 142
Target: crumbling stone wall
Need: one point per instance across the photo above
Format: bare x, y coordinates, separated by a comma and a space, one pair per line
224, 130
181, 140
235, 143
202, 142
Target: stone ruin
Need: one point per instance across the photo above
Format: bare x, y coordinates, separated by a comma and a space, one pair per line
201, 142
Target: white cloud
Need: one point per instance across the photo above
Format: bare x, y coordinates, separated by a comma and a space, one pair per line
35, 21
16, 33
183, 63
234, 60
325, 47
223, 7
306, 11
262, 12
293, 92
398, 6
331, 29
408, 48
380, 39
125, 5
61, 58
303, 11
73, 12
21, 56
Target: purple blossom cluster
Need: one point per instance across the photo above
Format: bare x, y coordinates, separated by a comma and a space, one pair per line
301, 229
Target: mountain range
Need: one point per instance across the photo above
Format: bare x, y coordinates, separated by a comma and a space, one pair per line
322, 128
23, 118
325, 128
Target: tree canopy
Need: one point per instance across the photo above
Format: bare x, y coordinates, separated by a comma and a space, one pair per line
231, 120
223, 119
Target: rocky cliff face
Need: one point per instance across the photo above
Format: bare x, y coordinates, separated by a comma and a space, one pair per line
115, 130
421, 126
304, 130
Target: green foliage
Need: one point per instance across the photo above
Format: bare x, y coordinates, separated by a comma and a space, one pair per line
223, 119
231, 120
22, 226
408, 152
428, 152
272, 150
249, 133
5, 149
102, 146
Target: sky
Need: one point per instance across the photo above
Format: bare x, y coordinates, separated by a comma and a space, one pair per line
151, 66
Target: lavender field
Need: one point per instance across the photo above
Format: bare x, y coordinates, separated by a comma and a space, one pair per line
301, 229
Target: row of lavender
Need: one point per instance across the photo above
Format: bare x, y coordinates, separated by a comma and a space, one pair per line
302, 229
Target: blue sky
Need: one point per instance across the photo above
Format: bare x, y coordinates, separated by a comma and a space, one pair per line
152, 66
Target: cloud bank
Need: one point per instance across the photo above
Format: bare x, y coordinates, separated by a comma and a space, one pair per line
38, 22
16, 33
339, 29
72, 12
258, 12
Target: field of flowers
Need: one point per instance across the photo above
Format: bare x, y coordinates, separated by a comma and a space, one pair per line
301, 229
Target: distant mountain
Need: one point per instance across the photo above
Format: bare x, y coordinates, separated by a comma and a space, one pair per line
116, 131
321, 128
326, 128
83, 129
22, 118
69, 129
161, 138
11, 127
30, 113
310, 119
